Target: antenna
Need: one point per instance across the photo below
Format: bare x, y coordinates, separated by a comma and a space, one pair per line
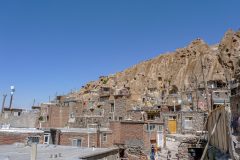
3, 103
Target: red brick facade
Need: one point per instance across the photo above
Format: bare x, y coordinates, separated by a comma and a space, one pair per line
128, 132
55, 116
87, 140
11, 138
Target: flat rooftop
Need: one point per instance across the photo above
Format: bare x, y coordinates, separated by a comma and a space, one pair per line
49, 152
20, 130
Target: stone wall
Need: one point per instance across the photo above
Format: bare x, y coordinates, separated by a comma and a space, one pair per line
28, 119
185, 145
198, 119
235, 106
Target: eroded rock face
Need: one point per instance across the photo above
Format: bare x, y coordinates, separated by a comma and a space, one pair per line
181, 70
229, 52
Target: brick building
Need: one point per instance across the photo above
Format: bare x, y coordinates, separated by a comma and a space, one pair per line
137, 134
80, 113
86, 137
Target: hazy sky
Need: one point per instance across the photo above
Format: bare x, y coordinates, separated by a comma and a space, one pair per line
50, 46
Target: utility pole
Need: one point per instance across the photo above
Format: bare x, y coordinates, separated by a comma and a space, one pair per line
164, 133
34, 151
98, 135
3, 102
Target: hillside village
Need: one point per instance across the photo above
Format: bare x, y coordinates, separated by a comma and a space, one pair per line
173, 106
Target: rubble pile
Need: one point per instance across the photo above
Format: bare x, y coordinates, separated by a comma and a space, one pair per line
186, 143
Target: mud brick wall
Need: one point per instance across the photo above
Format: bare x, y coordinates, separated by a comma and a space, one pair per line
67, 137
11, 138
131, 134
58, 116
109, 142
116, 129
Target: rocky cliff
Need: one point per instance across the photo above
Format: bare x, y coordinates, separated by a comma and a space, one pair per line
183, 69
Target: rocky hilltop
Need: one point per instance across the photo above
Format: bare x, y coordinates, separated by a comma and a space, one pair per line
181, 70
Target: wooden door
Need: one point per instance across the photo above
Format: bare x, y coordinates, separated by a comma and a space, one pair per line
172, 126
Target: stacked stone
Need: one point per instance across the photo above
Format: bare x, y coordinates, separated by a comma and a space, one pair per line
135, 150
183, 147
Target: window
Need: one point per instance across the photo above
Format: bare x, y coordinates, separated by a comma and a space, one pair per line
77, 142
120, 118
143, 100
33, 139
16, 113
172, 117
112, 107
46, 138
104, 137
151, 127
188, 123
160, 128
106, 89
71, 115
151, 117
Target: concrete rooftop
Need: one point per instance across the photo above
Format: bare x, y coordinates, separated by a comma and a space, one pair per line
45, 152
